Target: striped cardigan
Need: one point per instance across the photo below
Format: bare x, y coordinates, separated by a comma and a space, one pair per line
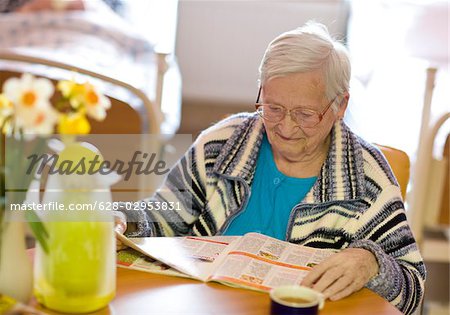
355, 202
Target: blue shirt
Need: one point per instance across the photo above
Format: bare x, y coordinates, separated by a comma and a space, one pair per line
273, 196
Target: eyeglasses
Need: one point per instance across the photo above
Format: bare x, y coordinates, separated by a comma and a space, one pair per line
307, 118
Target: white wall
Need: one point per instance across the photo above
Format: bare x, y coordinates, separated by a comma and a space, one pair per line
220, 43
156, 20
390, 59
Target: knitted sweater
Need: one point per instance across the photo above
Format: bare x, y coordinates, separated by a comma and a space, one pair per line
355, 202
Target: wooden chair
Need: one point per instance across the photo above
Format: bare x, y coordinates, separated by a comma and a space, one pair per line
428, 202
400, 164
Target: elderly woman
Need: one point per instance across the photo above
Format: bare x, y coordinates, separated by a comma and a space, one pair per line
295, 171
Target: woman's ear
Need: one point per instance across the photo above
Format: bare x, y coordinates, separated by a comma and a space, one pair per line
343, 105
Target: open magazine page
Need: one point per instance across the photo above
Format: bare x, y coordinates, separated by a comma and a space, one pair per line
132, 259
260, 262
207, 248
194, 256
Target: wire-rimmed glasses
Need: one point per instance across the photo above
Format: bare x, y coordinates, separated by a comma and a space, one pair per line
304, 117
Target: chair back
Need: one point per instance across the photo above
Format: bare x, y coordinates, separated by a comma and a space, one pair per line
400, 164
131, 112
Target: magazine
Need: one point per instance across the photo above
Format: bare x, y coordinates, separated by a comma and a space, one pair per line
252, 261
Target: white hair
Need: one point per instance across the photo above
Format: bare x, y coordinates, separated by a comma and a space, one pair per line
306, 49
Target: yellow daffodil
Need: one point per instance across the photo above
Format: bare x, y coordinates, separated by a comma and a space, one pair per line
96, 103
6, 107
72, 91
85, 97
6, 110
73, 124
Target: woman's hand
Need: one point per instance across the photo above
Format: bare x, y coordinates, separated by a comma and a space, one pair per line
120, 226
343, 273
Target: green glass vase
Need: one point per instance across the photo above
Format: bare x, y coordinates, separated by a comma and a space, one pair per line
78, 274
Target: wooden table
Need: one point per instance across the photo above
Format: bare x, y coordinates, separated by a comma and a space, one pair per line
152, 294
144, 293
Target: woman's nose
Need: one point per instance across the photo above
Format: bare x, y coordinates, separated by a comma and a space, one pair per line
287, 125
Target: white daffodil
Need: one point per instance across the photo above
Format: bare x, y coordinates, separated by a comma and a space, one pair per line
28, 91
36, 120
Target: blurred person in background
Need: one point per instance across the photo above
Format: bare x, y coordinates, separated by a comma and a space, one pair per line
24, 6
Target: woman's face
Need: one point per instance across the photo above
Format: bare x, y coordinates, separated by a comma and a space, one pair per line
292, 142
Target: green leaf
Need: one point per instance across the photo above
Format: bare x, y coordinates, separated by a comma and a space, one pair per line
38, 228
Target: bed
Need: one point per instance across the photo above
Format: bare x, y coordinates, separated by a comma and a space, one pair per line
144, 85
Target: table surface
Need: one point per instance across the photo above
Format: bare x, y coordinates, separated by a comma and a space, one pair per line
144, 293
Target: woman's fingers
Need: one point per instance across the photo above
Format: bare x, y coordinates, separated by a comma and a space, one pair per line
343, 273
328, 279
119, 245
338, 288
120, 226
